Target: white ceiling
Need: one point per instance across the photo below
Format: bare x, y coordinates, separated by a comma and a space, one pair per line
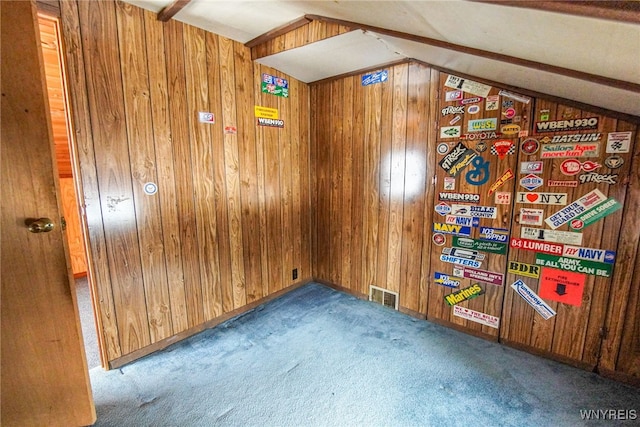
600, 47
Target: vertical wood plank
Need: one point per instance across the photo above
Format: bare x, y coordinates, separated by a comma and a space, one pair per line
335, 183
112, 160
202, 159
305, 178
183, 170
357, 186
384, 179
143, 167
347, 174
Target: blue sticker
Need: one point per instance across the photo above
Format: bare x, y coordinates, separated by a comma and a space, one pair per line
479, 175
379, 77
445, 280
460, 230
494, 234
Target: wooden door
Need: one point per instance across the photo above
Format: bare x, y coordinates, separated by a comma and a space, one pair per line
44, 372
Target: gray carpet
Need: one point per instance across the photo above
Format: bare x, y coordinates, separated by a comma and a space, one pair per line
87, 322
317, 357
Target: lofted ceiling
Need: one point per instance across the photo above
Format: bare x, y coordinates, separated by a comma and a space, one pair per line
583, 51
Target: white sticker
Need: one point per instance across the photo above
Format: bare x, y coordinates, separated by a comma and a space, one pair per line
618, 142
206, 117
150, 188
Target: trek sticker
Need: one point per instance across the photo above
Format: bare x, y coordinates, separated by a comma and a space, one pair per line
479, 174
476, 316
457, 159
373, 78
531, 167
531, 216
592, 268
589, 254
450, 132
572, 167
462, 220
574, 209
536, 246
618, 142
453, 95
504, 178
480, 245
562, 286
502, 198
555, 183
275, 85
442, 208
445, 280
482, 125
460, 261
265, 112
542, 198
502, 148
522, 269
595, 214
491, 103
533, 300
531, 182
468, 86
439, 239
204, 117
594, 177
461, 230
480, 136
449, 183
467, 293
494, 234
530, 146
452, 109
442, 148
567, 125
553, 236
463, 253
274, 123
554, 151
489, 277
459, 197
613, 162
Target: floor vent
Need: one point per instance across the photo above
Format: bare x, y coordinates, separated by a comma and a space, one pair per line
383, 296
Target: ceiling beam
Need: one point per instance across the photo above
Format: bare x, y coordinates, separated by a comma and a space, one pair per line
621, 11
283, 29
170, 11
594, 78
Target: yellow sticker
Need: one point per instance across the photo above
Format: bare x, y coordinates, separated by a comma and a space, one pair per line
266, 112
523, 269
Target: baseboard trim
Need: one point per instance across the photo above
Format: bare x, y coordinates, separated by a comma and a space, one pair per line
548, 355
460, 328
162, 344
620, 377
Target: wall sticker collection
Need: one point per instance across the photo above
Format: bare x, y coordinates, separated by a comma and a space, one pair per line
520, 185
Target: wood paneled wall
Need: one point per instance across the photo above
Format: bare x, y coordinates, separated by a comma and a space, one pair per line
368, 231
231, 217
372, 182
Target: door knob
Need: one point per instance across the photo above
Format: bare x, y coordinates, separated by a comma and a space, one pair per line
41, 225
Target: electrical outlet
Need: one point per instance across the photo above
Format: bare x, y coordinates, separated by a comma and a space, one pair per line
294, 274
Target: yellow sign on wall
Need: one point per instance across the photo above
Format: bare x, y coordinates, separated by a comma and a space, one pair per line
265, 112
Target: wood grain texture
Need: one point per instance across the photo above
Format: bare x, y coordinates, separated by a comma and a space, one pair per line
367, 221
231, 216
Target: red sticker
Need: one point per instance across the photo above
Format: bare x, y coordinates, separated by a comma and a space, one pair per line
562, 286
